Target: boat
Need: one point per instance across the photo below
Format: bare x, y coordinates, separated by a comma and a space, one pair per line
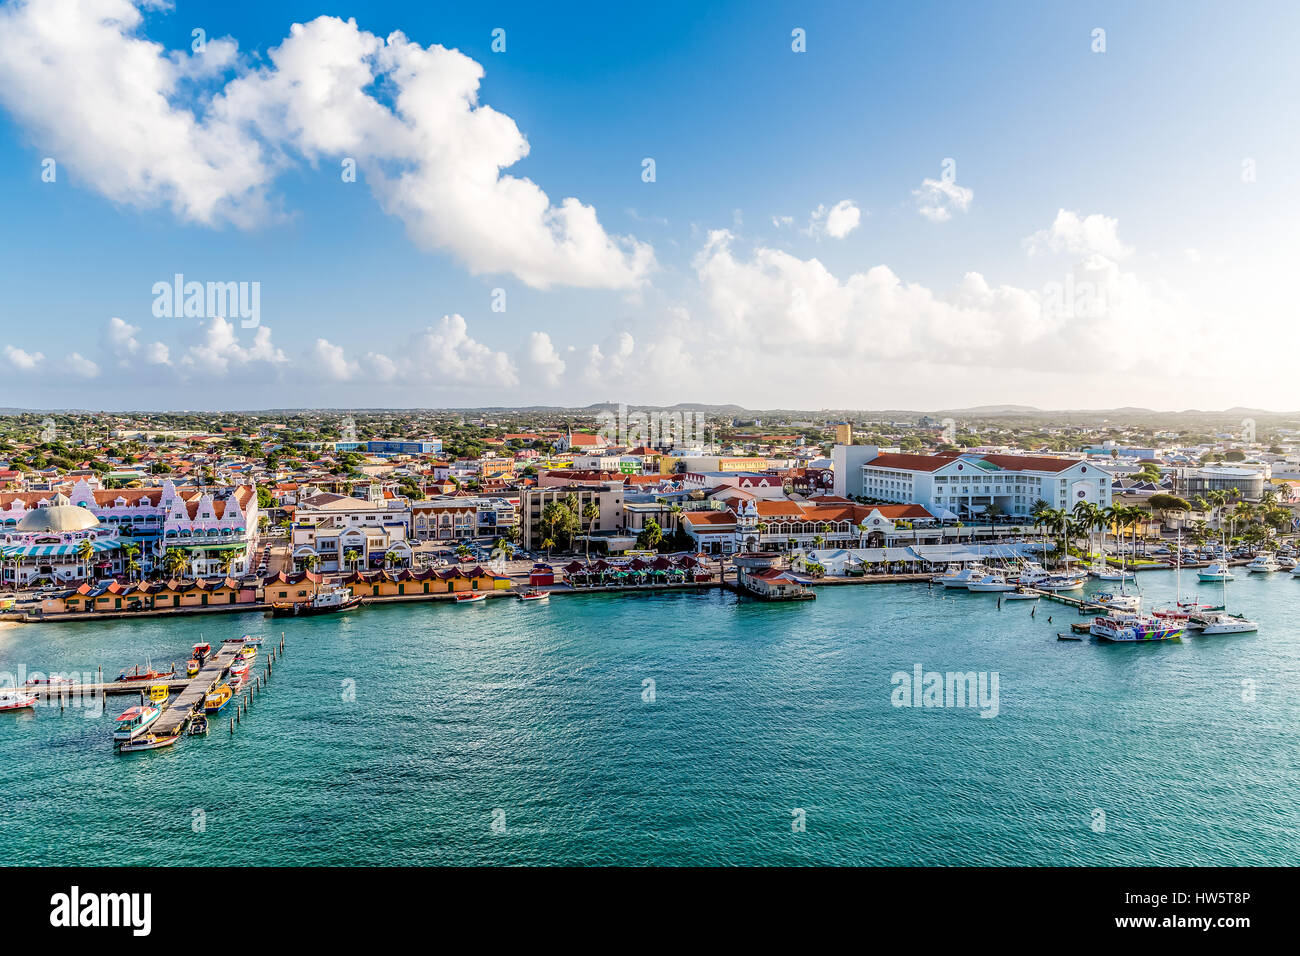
990, 581
1221, 622
16, 700
198, 725
247, 653
1060, 582
221, 695
146, 672
1031, 573
1286, 563
1113, 601
134, 721
1218, 571
956, 576
1021, 594
149, 742
191, 668
1104, 572
329, 601
533, 594
1126, 628
1263, 564
470, 597
202, 650
1061, 636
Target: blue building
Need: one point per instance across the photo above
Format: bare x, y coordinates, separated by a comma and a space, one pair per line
428, 446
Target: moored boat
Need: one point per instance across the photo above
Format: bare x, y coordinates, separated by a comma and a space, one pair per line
1112, 601
329, 601
146, 672
191, 668
134, 721
1021, 593
1218, 571
990, 581
1221, 622
533, 594
221, 695
956, 576
16, 700
149, 742
1263, 564
1128, 628
470, 597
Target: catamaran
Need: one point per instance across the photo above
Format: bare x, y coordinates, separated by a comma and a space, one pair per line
1123, 628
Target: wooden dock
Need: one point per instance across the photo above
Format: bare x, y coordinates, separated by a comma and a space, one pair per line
190, 699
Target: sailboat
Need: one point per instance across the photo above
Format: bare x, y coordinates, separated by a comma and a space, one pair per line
1221, 622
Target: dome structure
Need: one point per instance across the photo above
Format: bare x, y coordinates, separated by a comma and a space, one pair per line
59, 517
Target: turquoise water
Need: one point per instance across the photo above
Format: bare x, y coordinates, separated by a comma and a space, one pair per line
758, 710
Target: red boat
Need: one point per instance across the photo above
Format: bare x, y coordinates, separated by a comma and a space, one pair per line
145, 673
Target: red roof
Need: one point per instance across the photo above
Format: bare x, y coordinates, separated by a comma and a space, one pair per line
912, 462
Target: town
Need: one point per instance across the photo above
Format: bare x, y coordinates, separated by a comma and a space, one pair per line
112, 514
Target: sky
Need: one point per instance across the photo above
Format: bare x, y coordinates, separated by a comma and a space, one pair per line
833, 205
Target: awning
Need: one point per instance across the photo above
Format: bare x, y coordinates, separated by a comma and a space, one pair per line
191, 545
52, 550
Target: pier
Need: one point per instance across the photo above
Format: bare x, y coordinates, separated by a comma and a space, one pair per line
183, 706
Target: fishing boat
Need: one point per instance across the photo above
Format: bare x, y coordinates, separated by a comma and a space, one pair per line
470, 597
134, 721
247, 653
145, 672
1263, 564
956, 576
992, 581
191, 668
221, 695
1218, 571
16, 700
330, 601
533, 594
149, 742
198, 725
1125, 628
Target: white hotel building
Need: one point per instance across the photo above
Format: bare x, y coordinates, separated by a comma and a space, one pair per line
963, 485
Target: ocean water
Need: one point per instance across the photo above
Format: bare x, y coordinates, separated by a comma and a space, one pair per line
507, 733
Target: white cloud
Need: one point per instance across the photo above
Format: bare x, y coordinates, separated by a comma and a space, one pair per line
139, 125
80, 366
218, 353
442, 354
937, 199
1088, 235
129, 352
836, 221
22, 361
543, 358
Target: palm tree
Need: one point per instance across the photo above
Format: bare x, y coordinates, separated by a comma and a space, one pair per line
174, 562
352, 556
225, 561
591, 511
548, 544
310, 564
85, 550
131, 552
392, 558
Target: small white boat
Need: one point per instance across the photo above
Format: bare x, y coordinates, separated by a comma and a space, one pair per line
993, 581
1218, 571
958, 577
1031, 573
470, 597
134, 721
1295, 573
1104, 572
1118, 602
148, 742
533, 594
16, 700
1221, 622
1060, 582
1263, 564
1020, 594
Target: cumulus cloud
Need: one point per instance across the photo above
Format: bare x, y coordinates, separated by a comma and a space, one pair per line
837, 221
145, 126
123, 346
80, 366
441, 354
1080, 235
543, 359
938, 199
20, 360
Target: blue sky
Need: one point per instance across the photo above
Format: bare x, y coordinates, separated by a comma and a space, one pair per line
1155, 175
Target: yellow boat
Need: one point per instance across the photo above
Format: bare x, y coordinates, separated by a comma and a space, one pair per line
219, 698
191, 668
